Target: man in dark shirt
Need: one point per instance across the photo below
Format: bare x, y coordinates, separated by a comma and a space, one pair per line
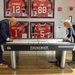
5, 36
70, 36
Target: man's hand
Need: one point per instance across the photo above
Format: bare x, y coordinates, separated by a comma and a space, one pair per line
64, 40
10, 40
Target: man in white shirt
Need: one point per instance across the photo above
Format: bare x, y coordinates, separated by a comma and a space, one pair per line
70, 36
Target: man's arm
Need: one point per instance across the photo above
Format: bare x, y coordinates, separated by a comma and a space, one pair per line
67, 39
73, 31
2, 31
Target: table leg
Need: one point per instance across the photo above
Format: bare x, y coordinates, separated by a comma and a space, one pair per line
17, 56
13, 59
63, 59
58, 56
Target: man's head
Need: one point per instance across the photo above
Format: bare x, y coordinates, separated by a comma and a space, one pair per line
67, 23
12, 21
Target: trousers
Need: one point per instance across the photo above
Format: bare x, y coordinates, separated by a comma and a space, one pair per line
73, 55
1, 55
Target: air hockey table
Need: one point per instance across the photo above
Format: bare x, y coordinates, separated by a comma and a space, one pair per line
38, 45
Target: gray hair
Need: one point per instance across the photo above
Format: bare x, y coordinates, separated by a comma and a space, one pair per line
67, 21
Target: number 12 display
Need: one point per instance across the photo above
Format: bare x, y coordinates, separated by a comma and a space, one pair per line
16, 8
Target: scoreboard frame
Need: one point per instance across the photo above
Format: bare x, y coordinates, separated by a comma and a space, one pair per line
24, 13
33, 24
52, 3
